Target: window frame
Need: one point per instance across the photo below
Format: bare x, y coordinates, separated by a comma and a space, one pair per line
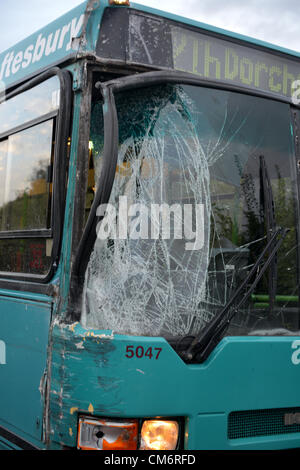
61, 130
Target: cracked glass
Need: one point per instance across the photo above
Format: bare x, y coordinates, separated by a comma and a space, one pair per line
184, 152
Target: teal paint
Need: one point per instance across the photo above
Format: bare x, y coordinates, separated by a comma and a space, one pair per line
89, 370
5, 445
24, 332
51, 45
54, 43
241, 374
69, 209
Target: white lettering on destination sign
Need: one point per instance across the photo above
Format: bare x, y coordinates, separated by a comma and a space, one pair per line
43, 47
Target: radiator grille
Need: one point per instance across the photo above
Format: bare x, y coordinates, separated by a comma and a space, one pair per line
255, 423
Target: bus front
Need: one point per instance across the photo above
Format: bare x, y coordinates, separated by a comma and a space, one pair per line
188, 316
183, 325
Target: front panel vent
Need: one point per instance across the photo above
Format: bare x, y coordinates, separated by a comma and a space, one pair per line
253, 423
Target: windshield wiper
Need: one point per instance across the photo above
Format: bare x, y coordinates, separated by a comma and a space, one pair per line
268, 214
206, 341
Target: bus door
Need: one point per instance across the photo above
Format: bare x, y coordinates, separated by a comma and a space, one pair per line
30, 132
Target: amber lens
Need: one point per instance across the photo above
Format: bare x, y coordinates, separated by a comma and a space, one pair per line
119, 2
125, 440
105, 434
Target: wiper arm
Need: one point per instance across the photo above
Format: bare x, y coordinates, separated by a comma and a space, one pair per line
206, 341
267, 203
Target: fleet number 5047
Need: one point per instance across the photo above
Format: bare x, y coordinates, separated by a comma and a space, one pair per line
140, 351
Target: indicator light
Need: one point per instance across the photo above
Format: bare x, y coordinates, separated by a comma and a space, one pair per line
119, 2
103, 434
123, 434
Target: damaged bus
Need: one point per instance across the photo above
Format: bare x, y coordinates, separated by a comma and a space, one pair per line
149, 227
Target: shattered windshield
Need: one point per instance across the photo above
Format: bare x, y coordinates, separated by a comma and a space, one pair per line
188, 214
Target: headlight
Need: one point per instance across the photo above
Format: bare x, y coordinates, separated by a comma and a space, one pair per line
159, 435
108, 434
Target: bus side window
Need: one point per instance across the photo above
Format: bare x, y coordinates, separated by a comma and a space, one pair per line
26, 173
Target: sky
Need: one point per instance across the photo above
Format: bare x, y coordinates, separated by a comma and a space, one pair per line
275, 21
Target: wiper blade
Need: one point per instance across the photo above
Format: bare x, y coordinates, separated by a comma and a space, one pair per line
204, 343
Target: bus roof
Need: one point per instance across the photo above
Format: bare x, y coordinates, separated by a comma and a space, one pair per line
77, 33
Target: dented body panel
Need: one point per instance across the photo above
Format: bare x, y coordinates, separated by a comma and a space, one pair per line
25, 321
92, 375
